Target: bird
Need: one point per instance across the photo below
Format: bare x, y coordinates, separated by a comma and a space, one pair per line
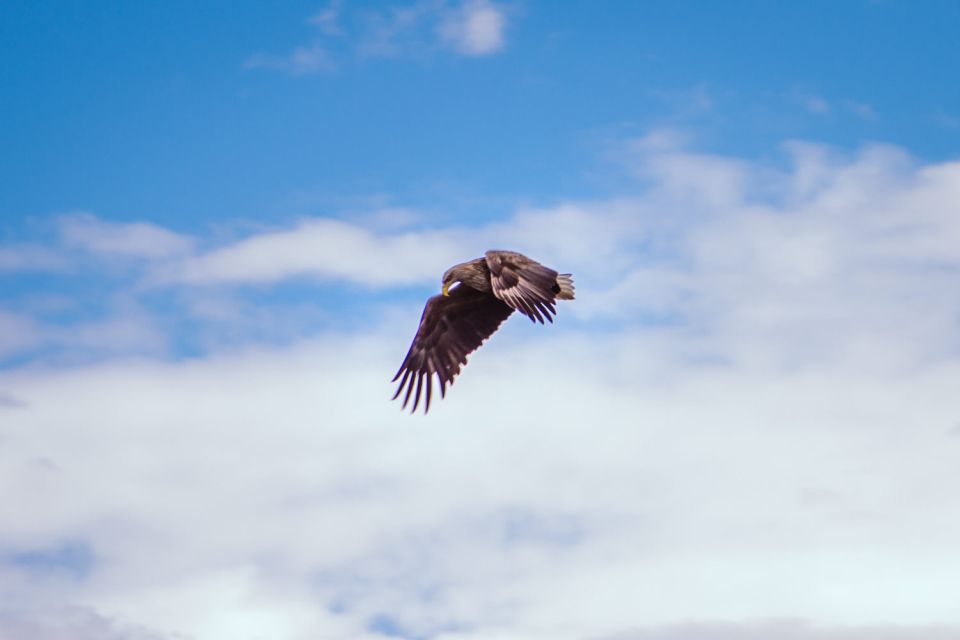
476, 297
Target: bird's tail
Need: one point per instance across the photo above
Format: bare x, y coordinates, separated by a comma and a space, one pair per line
565, 282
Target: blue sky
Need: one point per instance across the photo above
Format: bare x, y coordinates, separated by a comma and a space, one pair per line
149, 110
218, 225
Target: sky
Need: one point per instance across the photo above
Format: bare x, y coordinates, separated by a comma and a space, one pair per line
218, 226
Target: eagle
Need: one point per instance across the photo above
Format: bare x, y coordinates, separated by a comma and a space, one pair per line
476, 297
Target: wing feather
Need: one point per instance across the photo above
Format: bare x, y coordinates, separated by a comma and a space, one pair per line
451, 328
524, 284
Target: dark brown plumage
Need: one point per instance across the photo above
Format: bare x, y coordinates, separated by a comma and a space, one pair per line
477, 297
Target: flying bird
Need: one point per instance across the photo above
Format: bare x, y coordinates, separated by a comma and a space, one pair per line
476, 297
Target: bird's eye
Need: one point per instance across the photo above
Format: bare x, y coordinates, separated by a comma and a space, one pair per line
453, 285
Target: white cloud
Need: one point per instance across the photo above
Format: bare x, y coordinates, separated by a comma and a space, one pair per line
137, 240
281, 488
748, 414
321, 248
476, 28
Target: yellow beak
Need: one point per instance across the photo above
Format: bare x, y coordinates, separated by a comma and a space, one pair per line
446, 290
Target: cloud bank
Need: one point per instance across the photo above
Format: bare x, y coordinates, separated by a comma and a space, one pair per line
745, 426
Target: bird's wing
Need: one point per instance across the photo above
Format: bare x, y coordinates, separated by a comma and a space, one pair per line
451, 328
524, 284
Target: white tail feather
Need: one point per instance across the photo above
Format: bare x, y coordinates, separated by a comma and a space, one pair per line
565, 282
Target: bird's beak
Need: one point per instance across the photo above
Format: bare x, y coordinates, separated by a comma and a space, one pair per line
446, 290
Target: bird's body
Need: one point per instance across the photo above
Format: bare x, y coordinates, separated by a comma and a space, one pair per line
477, 297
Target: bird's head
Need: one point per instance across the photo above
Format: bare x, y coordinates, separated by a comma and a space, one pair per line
450, 280
455, 276
466, 274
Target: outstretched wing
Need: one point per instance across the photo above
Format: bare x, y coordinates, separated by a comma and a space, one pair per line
451, 328
524, 284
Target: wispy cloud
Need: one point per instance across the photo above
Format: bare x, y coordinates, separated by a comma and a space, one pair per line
30, 257
398, 30
328, 20
819, 105
816, 105
687, 102
860, 109
308, 59
476, 28
946, 120
470, 28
